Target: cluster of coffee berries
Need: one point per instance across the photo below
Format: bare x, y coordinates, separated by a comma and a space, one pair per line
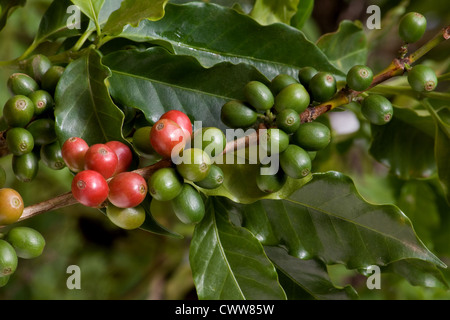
19, 242
102, 178
28, 118
278, 107
172, 137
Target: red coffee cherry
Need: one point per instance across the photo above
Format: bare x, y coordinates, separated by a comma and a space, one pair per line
90, 188
165, 136
181, 119
73, 151
127, 190
101, 158
124, 155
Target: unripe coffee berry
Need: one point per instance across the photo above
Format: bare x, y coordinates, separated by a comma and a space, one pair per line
377, 109
258, 95
412, 27
422, 78
359, 78
11, 206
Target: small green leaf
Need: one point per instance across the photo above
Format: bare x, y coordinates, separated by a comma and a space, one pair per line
57, 22
228, 262
269, 11
304, 11
83, 105
132, 12
6, 8
346, 47
306, 277
90, 8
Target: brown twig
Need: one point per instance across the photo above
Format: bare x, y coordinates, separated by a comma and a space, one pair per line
397, 67
67, 199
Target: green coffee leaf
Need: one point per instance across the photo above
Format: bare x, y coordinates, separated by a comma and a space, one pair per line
213, 34
228, 262
83, 105
57, 22
132, 12
156, 81
328, 219
303, 279
346, 47
6, 8
268, 12
406, 145
90, 8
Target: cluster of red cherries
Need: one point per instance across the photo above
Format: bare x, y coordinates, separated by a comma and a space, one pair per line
102, 176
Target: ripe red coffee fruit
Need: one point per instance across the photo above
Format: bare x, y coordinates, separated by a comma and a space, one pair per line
101, 158
124, 155
166, 135
127, 190
181, 119
90, 188
73, 151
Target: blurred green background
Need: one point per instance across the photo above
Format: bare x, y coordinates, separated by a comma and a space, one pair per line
118, 264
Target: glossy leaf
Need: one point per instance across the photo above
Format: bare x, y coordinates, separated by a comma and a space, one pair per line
83, 105
406, 145
306, 278
156, 81
6, 8
268, 11
90, 8
329, 220
57, 22
304, 11
346, 47
228, 262
132, 12
442, 146
213, 34
419, 273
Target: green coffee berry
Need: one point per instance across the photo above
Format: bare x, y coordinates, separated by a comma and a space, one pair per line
293, 97
258, 95
280, 82
288, 120
295, 162
377, 109
213, 180
22, 84
18, 111
19, 141
305, 75
42, 101
25, 167
236, 114
312, 136
412, 27
27, 242
422, 78
322, 86
359, 78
